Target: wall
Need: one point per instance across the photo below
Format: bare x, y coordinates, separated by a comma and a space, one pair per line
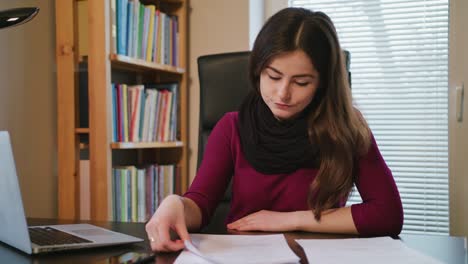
273, 6
215, 27
28, 104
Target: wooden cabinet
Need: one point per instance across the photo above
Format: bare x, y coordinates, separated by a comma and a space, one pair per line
104, 66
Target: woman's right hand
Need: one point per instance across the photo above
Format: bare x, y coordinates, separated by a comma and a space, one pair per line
169, 216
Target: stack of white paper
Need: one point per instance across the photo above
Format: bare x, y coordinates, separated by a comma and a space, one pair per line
380, 250
237, 249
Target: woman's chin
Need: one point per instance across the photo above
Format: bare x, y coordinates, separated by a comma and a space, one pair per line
281, 116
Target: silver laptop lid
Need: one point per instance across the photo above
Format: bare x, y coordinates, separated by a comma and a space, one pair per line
14, 229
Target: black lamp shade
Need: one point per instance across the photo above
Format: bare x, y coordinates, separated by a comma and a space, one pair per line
17, 16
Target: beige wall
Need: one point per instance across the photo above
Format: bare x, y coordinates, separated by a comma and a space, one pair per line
28, 104
273, 6
458, 131
215, 26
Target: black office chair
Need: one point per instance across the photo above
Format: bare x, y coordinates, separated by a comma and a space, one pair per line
224, 83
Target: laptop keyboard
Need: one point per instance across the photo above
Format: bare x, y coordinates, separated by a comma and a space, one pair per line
46, 236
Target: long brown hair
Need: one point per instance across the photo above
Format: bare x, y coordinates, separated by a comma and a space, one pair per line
335, 126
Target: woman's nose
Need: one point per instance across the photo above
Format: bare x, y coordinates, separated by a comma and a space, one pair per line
284, 91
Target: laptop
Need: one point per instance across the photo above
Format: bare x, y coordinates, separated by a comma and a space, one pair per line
37, 239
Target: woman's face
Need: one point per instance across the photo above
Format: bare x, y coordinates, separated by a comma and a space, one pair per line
288, 84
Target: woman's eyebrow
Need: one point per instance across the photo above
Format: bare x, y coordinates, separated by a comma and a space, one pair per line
295, 76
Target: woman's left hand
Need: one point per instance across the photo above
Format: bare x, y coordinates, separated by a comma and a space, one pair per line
265, 220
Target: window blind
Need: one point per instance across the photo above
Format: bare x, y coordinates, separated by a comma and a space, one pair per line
399, 67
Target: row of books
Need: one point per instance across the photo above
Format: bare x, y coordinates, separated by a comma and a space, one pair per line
144, 32
144, 113
137, 192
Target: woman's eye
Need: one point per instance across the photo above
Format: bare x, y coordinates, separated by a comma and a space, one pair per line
302, 83
274, 78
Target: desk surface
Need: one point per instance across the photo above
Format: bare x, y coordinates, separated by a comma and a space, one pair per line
447, 249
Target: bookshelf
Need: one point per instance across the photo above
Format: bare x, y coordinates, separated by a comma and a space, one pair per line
104, 66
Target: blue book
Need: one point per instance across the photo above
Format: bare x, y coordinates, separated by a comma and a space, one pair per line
124, 195
118, 21
129, 195
117, 196
130, 13
122, 6
135, 29
114, 113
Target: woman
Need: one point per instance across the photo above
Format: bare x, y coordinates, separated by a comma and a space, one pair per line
294, 150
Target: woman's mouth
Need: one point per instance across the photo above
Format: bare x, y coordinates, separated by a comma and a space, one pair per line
282, 106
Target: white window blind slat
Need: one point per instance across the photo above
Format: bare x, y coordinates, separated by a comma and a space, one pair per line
409, 88
399, 67
412, 107
426, 171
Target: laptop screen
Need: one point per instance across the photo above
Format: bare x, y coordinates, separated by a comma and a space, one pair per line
14, 231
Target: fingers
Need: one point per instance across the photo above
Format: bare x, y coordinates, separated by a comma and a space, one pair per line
165, 243
168, 217
160, 240
243, 224
238, 223
181, 230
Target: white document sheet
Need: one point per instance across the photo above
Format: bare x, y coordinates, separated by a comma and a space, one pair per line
215, 249
380, 250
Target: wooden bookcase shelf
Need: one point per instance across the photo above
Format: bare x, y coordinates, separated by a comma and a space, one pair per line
82, 130
134, 64
141, 145
101, 66
122, 61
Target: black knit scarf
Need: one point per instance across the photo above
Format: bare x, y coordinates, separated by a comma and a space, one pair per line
272, 146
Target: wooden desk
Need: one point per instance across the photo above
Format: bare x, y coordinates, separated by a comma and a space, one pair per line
447, 249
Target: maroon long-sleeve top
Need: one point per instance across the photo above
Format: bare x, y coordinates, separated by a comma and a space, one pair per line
380, 213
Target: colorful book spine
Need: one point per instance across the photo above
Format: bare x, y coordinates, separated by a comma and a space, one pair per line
174, 113
141, 20
141, 204
134, 193
149, 193
114, 112
155, 35
124, 193
150, 37
168, 117
144, 42
135, 29
130, 14
122, 7
113, 22
125, 112
142, 111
